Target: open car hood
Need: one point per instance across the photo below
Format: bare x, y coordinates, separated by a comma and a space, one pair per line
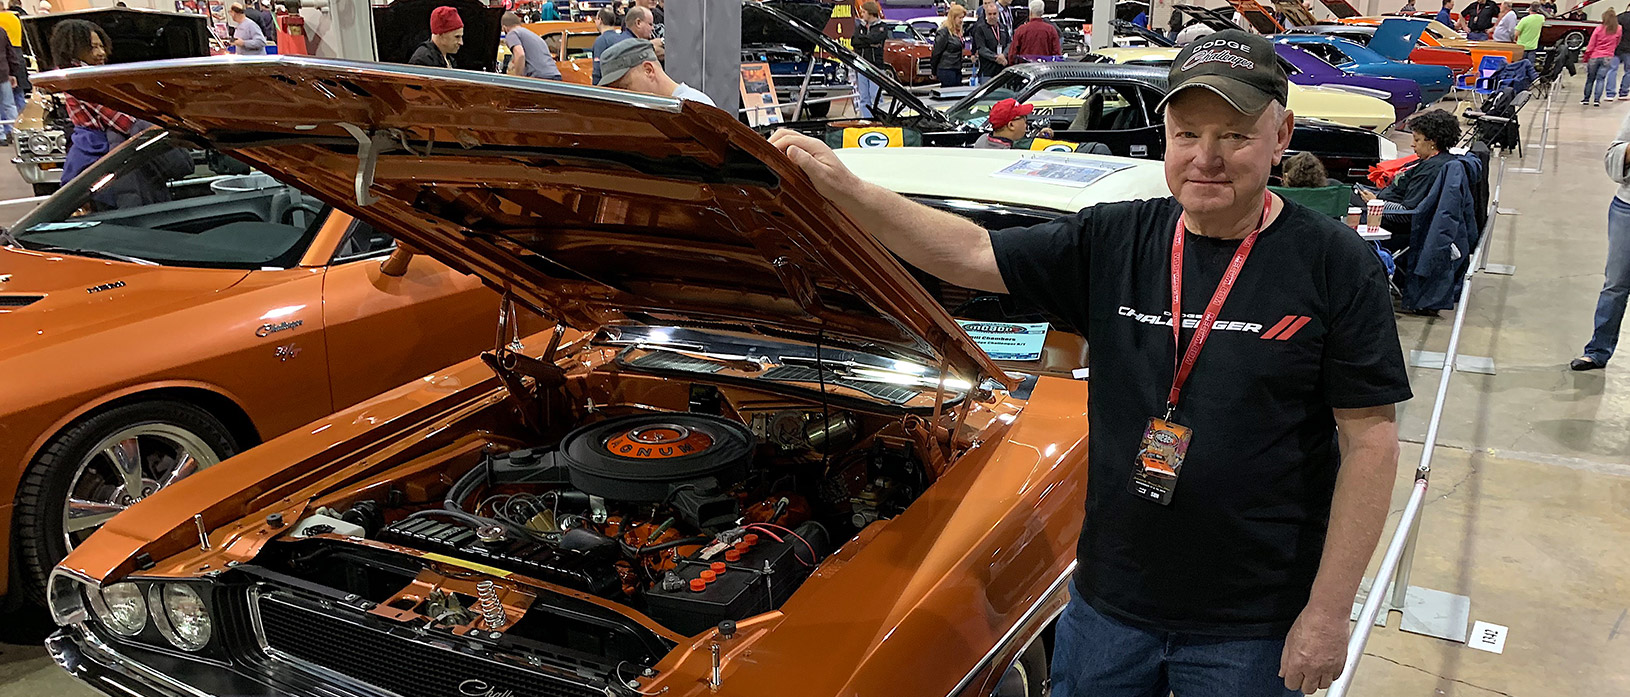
1395, 37
590, 205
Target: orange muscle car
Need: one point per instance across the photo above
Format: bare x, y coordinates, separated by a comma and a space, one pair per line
772, 464
174, 307
1439, 34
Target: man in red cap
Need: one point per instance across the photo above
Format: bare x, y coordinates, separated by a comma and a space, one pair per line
446, 38
1008, 125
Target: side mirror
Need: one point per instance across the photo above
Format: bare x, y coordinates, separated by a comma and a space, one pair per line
396, 265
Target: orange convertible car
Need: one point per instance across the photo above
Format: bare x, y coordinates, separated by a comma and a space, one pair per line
174, 307
772, 465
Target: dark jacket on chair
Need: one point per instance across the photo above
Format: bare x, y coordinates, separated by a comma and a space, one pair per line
1441, 240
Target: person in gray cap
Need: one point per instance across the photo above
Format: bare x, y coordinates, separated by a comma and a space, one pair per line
633, 65
1225, 530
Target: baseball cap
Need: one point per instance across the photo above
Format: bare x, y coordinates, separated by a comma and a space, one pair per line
1002, 113
1238, 66
626, 55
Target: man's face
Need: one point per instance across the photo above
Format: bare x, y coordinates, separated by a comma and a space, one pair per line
643, 27
98, 53
1217, 157
640, 79
990, 14
450, 42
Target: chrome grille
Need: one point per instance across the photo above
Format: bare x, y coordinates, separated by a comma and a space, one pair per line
393, 660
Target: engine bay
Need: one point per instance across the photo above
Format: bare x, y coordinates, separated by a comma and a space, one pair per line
691, 518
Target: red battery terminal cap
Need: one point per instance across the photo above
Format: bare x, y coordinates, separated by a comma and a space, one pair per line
708, 576
732, 555
741, 546
698, 585
716, 567
750, 539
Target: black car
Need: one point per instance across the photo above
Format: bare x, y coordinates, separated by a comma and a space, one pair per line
1114, 105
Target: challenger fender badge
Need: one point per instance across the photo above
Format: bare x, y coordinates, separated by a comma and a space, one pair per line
271, 328
105, 286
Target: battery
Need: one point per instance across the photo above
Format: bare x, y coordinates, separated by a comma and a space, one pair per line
760, 581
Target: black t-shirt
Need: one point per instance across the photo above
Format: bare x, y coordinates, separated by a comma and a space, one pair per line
1307, 328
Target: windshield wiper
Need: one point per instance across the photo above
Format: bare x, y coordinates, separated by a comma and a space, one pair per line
101, 254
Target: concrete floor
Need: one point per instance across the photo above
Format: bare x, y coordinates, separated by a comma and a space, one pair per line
1529, 508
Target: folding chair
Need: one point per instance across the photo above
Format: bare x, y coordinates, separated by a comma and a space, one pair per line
1479, 80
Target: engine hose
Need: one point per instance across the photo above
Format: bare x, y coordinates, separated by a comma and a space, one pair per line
636, 551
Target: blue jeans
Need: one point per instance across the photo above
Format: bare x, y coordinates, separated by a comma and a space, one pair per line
1477, 36
1098, 656
865, 96
1596, 76
8, 108
1616, 291
950, 77
1621, 61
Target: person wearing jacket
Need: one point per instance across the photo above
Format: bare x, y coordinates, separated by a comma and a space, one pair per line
446, 38
1427, 217
10, 69
1037, 37
947, 54
870, 35
987, 47
1621, 60
1479, 18
1604, 41
1615, 294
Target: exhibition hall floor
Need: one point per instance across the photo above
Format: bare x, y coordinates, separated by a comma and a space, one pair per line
1528, 512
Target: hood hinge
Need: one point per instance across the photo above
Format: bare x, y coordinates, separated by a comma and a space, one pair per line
369, 145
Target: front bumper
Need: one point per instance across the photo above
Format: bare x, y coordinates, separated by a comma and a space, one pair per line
127, 671
39, 171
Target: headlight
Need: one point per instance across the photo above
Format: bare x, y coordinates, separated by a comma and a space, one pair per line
181, 615
39, 144
120, 608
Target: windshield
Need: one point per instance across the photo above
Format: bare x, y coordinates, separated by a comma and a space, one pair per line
975, 109
167, 200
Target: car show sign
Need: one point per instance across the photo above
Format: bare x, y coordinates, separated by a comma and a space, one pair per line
1066, 171
1007, 341
758, 95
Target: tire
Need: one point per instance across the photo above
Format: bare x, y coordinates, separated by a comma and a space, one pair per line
46, 188
1029, 676
76, 462
1574, 40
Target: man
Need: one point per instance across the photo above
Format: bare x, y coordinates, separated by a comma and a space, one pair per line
1445, 17
659, 16
1408, 8
1479, 18
639, 24
528, 54
1235, 575
1621, 60
987, 48
10, 68
262, 17
1506, 28
870, 35
633, 65
247, 36
446, 38
1037, 37
1007, 123
1004, 9
1528, 30
611, 34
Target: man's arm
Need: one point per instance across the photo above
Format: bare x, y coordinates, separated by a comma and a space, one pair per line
517, 59
1316, 648
949, 247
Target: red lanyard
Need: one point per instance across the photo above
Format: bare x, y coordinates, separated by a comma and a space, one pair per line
1224, 287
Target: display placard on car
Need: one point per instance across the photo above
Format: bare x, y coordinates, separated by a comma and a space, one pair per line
1066, 171
1007, 341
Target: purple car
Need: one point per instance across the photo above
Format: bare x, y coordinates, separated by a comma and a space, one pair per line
1310, 70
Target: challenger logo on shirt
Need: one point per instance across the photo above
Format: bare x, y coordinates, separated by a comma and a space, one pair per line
1280, 331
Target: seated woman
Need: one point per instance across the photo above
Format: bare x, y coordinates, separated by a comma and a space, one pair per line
1435, 132
1304, 171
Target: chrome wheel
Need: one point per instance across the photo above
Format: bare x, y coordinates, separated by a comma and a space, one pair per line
126, 467
1574, 40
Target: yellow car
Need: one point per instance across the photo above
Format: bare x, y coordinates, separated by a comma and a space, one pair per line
1331, 104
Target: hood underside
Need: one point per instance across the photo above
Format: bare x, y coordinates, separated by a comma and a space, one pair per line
591, 205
